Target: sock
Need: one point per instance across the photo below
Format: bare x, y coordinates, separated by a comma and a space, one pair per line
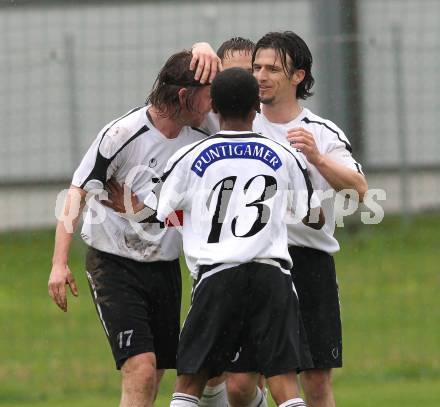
184, 400
298, 402
214, 396
259, 400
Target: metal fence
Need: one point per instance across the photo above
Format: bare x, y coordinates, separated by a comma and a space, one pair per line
66, 70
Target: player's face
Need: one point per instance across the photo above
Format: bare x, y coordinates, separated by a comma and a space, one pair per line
238, 59
275, 85
201, 105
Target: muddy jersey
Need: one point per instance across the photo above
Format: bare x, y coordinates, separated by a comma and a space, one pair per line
129, 150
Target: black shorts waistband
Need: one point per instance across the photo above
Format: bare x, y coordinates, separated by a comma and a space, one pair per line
204, 268
305, 249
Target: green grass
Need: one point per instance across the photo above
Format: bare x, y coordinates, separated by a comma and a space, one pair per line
389, 280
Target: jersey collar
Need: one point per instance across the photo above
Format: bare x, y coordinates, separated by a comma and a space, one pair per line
235, 134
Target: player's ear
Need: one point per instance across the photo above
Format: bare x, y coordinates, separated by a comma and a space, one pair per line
298, 76
183, 94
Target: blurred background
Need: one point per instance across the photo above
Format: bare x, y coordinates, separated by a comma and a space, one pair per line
69, 67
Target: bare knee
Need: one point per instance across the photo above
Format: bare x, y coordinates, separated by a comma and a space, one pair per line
283, 387
192, 384
140, 368
139, 381
241, 388
317, 384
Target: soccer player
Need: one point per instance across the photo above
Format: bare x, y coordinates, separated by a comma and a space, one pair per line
282, 65
133, 272
230, 53
235, 52
235, 188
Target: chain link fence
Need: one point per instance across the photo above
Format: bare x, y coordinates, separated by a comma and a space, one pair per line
66, 70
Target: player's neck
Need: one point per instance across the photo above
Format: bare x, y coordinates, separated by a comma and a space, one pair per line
281, 112
168, 127
235, 125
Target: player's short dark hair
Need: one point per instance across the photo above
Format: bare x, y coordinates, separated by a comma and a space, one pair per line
287, 43
173, 76
234, 93
235, 44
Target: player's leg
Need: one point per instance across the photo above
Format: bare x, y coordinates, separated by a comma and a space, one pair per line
243, 390
314, 277
214, 393
122, 307
189, 389
274, 324
164, 292
139, 380
284, 390
209, 337
317, 385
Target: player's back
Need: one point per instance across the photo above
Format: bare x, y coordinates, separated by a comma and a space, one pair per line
235, 189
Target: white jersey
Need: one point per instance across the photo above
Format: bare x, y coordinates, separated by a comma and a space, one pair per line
331, 141
132, 151
236, 190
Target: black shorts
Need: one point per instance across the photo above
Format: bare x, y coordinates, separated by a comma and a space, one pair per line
138, 304
253, 306
245, 360
314, 276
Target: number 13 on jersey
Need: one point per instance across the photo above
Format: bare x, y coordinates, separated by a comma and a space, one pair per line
262, 186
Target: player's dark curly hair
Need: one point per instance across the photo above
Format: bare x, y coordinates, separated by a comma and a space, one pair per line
173, 76
235, 44
234, 93
287, 43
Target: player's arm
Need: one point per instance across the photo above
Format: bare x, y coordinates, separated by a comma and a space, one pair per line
60, 275
205, 62
338, 175
91, 175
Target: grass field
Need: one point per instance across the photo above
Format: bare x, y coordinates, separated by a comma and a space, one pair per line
389, 278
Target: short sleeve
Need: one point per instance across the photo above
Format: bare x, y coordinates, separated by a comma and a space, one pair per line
100, 161
338, 148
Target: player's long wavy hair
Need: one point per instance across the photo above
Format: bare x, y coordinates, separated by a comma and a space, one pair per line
173, 76
287, 43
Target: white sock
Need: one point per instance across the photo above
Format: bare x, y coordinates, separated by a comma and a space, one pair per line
259, 400
184, 400
299, 402
214, 396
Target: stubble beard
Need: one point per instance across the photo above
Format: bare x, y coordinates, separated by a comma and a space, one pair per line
267, 100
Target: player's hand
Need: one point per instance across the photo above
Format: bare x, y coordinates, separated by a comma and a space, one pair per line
304, 141
205, 62
59, 277
117, 198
